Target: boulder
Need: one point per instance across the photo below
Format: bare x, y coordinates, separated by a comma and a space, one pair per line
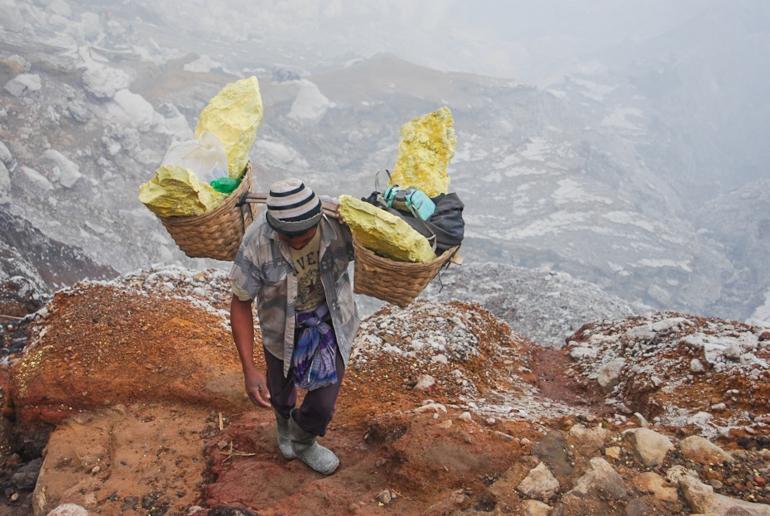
5, 182
554, 450
613, 452
23, 84
651, 482
5, 154
696, 366
609, 373
699, 496
25, 477
424, 382
539, 483
676, 473
65, 170
727, 506
15, 64
703, 451
600, 480
34, 180
68, 509
104, 81
649, 446
593, 438
535, 508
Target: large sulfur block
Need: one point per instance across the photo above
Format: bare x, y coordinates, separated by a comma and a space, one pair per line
176, 192
383, 233
234, 115
427, 145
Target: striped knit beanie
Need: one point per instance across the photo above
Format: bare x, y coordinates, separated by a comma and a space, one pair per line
292, 207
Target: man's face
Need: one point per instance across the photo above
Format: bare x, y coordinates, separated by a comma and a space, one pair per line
299, 241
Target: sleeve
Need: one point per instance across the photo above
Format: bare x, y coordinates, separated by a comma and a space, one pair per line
245, 278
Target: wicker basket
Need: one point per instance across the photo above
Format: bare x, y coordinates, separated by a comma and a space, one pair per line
395, 282
216, 234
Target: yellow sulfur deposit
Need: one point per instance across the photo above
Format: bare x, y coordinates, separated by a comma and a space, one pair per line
383, 233
427, 145
176, 192
234, 115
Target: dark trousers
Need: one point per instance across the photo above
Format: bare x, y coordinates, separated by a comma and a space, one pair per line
317, 408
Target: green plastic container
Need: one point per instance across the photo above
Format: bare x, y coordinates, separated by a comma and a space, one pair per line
225, 185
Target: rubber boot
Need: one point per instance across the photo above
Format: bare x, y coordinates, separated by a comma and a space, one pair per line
284, 441
316, 457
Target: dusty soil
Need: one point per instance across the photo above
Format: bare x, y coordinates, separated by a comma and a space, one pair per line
100, 346
146, 394
136, 460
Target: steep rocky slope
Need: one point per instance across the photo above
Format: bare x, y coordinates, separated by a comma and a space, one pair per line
444, 410
545, 306
577, 177
33, 265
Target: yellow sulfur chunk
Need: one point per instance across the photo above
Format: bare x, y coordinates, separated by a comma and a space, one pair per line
427, 145
176, 192
234, 115
383, 233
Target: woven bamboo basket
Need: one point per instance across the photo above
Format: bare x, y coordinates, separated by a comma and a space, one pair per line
216, 234
395, 282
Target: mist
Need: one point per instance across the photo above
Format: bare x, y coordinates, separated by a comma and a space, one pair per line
623, 143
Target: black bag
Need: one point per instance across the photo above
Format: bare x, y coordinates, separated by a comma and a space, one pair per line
444, 229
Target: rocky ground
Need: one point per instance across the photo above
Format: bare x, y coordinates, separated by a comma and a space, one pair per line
127, 399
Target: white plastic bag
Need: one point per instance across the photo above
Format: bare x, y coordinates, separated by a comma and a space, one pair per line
205, 157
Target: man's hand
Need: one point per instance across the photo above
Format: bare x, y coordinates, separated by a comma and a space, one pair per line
256, 388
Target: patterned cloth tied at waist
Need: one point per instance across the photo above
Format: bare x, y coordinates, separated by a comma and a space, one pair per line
315, 353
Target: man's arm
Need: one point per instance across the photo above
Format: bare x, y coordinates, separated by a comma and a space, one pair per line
242, 324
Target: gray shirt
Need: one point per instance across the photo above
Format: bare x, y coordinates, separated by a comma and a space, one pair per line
263, 270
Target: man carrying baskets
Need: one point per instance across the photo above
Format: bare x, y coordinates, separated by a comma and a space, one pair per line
294, 261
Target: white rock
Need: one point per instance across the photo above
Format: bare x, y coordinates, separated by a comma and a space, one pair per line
133, 109
204, 64
23, 83
104, 81
35, 179
733, 351
650, 446
676, 473
66, 171
579, 352
424, 382
718, 406
696, 366
439, 359
539, 483
5, 183
90, 26
310, 104
5, 154
466, 416
435, 407
609, 373
68, 509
